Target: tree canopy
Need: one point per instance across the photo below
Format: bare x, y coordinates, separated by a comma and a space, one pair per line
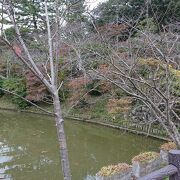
162, 11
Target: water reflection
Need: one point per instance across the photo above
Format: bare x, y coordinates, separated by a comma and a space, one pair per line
4, 158
29, 147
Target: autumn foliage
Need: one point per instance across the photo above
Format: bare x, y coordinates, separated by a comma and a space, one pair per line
119, 105
112, 30
77, 83
36, 91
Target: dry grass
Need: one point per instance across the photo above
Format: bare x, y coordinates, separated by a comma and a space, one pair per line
146, 156
168, 146
113, 169
119, 105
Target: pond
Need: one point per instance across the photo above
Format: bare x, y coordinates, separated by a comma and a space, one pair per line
29, 147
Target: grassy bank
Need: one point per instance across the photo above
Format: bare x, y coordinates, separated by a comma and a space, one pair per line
95, 112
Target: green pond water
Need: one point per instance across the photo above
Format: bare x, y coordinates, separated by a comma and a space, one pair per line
29, 147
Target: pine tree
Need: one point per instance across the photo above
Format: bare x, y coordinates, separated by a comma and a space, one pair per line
76, 8
161, 11
28, 13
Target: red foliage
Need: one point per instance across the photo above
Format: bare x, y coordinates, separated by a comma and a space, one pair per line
36, 91
110, 30
78, 82
17, 50
105, 86
103, 68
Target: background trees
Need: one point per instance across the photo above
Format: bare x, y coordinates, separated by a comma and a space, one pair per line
144, 63
162, 12
134, 46
75, 11
28, 13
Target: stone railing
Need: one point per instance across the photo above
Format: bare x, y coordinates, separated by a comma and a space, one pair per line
145, 166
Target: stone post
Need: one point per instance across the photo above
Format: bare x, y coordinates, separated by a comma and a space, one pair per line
174, 159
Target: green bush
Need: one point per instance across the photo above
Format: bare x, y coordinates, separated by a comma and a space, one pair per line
63, 94
11, 33
16, 85
148, 24
94, 88
175, 82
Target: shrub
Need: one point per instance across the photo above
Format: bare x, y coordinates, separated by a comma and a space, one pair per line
16, 85
147, 66
94, 88
176, 81
119, 105
78, 83
10, 33
98, 87
149, 25
63, 94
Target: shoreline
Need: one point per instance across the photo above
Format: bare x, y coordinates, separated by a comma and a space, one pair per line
91, 121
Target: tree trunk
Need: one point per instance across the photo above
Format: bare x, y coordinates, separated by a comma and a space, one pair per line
61, 138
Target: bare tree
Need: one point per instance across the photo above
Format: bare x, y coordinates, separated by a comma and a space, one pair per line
145, 66
49, 76
147, 70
